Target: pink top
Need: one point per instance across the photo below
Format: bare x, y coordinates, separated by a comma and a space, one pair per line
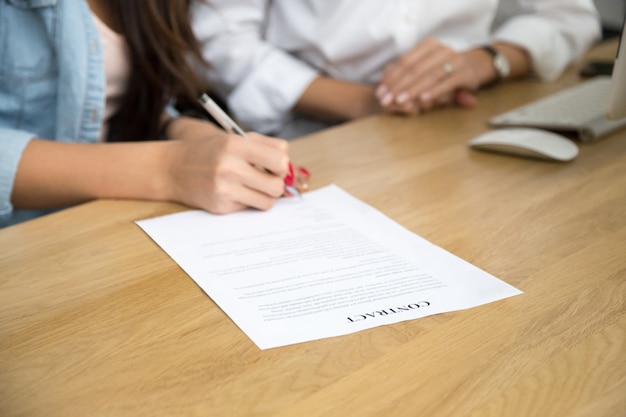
116, 70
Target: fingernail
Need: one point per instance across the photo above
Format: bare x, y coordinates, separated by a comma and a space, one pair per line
387, 99
381, 91
304, 171
426, 96
289, 177
402, 98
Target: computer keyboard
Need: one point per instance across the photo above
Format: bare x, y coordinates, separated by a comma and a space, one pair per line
580, 108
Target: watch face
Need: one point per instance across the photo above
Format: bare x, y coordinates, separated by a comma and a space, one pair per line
502, 65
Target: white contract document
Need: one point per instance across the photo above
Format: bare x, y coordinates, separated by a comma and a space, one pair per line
321, 266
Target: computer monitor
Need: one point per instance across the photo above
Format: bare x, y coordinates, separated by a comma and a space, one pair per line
617, 99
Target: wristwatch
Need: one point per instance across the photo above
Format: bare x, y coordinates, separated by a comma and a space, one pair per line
500, 63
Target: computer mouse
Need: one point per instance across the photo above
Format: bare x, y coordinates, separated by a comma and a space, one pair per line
527, 142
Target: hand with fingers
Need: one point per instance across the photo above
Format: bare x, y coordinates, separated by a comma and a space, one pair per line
429, 75
223, 172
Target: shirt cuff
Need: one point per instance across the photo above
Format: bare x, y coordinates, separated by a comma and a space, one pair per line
12, 145
550, 50
263, 101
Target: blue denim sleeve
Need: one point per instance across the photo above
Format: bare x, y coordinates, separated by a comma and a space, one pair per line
12, 145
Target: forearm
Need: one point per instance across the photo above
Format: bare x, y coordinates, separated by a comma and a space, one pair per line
337, 101
203, 168
54, 174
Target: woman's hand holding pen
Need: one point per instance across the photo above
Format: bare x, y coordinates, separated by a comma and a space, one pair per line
221, 172
295, 180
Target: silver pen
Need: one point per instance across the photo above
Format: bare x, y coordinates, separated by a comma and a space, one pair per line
230, 126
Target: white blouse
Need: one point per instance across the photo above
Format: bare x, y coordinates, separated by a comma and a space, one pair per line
261, 67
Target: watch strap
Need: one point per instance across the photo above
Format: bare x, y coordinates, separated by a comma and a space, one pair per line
499, 61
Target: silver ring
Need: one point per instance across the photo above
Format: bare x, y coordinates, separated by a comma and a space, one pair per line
448, 68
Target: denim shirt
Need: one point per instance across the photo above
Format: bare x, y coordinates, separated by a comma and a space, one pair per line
52, 83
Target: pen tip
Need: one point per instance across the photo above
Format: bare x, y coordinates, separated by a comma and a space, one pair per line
293, 191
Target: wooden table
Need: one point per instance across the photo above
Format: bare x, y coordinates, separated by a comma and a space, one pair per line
96, 320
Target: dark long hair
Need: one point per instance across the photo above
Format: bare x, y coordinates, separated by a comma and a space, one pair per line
164, 57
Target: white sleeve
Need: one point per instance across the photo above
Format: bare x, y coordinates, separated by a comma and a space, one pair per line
259, 82
555, 33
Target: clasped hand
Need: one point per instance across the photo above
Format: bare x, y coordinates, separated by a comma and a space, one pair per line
429, 75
